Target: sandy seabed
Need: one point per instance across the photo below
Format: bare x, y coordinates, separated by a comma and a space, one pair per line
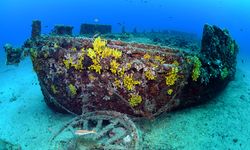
221, 124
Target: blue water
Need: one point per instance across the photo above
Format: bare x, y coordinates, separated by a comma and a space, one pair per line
183, 15
16, 17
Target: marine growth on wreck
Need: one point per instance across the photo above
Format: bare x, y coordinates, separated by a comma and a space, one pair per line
79, 74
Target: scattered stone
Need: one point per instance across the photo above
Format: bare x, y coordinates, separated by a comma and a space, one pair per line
235, 140
13, 98
243, 97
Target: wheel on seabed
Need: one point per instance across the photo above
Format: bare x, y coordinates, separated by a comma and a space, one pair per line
98, 130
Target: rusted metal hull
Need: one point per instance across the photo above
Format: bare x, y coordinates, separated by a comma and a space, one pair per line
80, 75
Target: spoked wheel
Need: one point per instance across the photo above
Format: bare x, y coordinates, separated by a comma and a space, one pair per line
97, 130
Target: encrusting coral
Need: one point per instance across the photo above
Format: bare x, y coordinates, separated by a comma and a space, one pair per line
129, 82
130, 77
196, 68
172, 76
101, 51
72, 89
135, 100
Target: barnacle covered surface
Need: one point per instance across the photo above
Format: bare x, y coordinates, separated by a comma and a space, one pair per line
82, 74
86, 74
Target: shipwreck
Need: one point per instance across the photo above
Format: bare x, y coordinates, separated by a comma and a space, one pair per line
110, 75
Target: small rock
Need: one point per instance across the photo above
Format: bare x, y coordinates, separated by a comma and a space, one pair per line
243, 97
235, 140
13, 98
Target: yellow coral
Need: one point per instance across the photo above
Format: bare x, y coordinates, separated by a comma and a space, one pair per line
172, 76
170, 91
77, 65
135, 100
56, 45
99, 51
73, 49
72, 89
116, 53
33, 53
114, 66
149, 75
160, 59
121, 71
117, 83
91, 77
176, 63
128, 66
146, 56
96, 67
80, 61
196, 69
91, 53
99, 45
153, 65
129, 82
68, 62
53, 88
106, 52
